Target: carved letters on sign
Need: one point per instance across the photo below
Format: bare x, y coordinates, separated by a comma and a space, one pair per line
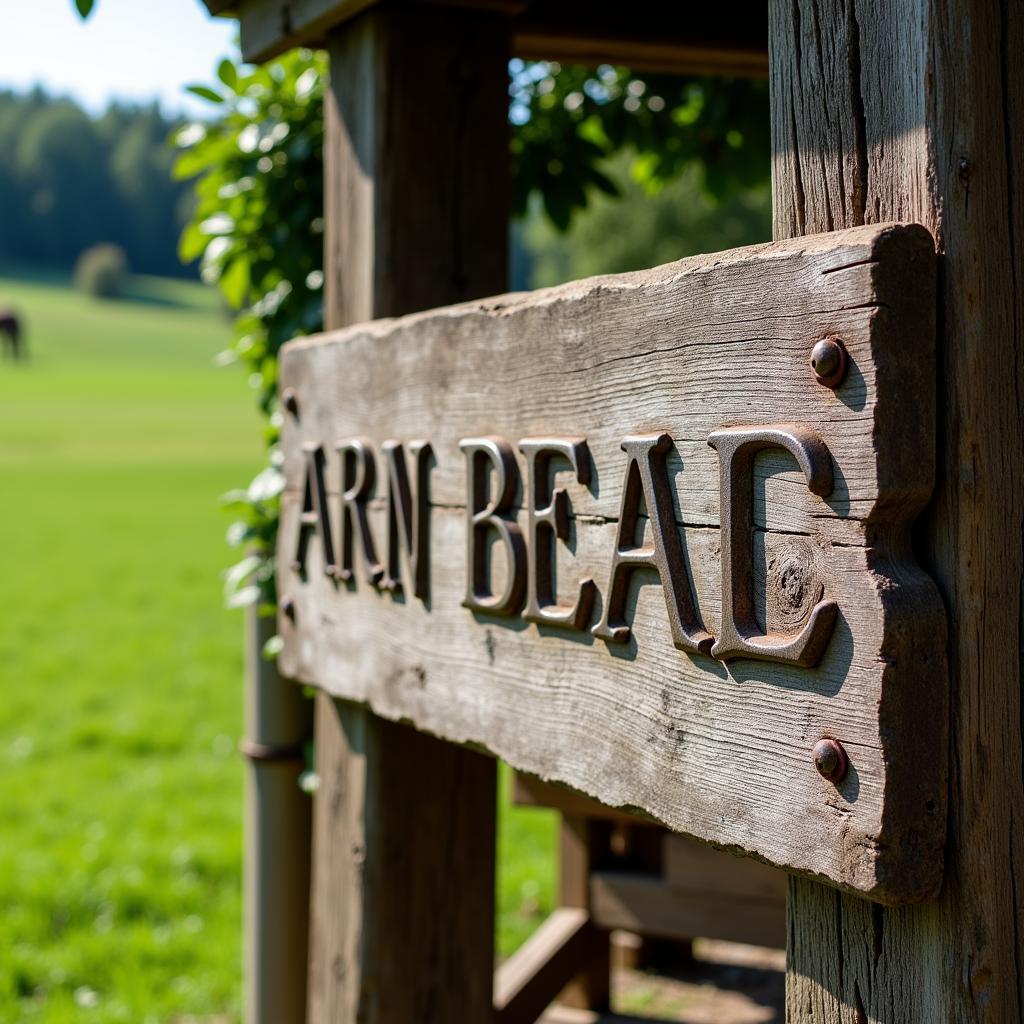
529, 575
621, 535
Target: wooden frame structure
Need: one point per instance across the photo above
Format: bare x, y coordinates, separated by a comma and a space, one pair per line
909, 111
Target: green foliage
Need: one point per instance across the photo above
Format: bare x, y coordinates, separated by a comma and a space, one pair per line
84, 7
258, 227
636, 230
68, 181
570, 120
102, 271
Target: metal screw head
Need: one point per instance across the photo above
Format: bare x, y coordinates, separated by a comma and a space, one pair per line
828, 361
830, 760
290, 401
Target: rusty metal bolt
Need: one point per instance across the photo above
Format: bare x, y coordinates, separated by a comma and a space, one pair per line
290, 401
288, 608
828, 361
830, 760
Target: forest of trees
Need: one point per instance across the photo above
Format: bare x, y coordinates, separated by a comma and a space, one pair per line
68, 181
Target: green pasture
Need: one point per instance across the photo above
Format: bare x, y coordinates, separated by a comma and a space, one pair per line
120, 784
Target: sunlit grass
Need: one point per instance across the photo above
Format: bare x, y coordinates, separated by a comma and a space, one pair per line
120, 784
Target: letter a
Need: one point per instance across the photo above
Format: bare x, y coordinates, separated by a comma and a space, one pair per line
314, 516
647, 475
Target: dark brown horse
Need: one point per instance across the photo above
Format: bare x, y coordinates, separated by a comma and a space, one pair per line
10, 332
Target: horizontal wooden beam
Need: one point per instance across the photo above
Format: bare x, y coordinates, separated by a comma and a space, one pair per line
692, 865
529, 981
529, 791
681, 39
645, 904
724, 39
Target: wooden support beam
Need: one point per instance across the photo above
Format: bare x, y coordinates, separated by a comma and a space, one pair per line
912, 111
278, 723
416, 216
703, 39
729, 39
529, 791
527, 983
585, 844
645, 904
692, 865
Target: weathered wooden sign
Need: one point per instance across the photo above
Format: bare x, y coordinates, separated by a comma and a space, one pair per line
623, 534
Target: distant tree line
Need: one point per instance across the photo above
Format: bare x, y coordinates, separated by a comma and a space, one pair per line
68, 181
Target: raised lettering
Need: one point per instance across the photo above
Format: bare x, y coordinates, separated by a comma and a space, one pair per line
647, 478
740, 635
314, 517
547, 510
358, 471
408, 516
486, 513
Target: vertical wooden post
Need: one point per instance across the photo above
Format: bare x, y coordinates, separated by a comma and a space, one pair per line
584, 846
913, 110
278, 723
416, 201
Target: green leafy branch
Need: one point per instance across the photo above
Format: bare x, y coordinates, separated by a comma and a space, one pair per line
258, 227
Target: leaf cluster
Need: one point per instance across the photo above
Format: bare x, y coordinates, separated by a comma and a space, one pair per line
568, 121
258, 231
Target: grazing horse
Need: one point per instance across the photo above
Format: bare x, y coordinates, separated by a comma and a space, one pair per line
10, 330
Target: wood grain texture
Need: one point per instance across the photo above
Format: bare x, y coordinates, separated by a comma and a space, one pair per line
403, 856
913, 110
403, 840
719, 753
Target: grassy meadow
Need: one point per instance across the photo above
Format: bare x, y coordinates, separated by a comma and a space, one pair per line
120, 782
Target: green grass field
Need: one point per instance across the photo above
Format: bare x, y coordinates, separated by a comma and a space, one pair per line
120, 784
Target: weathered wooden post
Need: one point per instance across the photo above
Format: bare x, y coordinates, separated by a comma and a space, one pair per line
416, 215
915, 111
277, 836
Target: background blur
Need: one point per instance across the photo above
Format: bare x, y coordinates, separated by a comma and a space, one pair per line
120, 781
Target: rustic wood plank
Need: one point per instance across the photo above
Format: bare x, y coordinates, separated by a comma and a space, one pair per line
528, 982
645, 904
676, 335
403, 861
722, 753
692, 866
913, 111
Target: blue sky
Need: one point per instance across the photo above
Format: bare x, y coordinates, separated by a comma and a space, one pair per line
128, 49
